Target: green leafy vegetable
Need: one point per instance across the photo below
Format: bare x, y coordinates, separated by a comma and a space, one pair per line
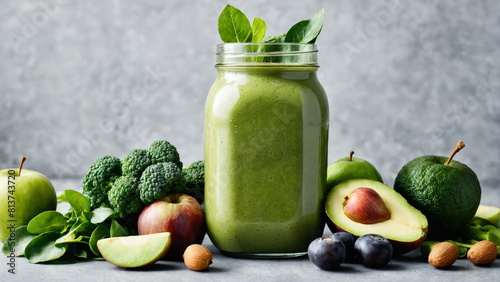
117, 230
77, 201
57, 238
99, 233
234, 26
306, 31
69, 238
23, 237
47, 221
99, 215
43, 248
277, 38
258, 30
80, 253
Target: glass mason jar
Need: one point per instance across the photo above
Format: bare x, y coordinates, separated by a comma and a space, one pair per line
265, 144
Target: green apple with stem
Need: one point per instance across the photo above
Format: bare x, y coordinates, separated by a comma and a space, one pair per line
350, 168
23, 195
446, 191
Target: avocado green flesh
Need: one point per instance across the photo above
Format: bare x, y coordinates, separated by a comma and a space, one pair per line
134, 251
406, 224
448, 195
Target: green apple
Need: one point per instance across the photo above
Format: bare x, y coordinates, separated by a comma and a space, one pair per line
490, 213
135, 251
446, 191
22, 197
350, 168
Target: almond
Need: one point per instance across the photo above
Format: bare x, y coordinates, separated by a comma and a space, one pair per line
483, 252
443, 254
197, 257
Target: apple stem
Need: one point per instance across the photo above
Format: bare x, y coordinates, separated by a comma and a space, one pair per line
350, 155
459, 147
21, 165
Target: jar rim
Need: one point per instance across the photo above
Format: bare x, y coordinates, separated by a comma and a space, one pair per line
266, 53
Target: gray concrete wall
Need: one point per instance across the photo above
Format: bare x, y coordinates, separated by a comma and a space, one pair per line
80, 79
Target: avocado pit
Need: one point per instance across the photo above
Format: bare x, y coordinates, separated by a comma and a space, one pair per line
364, 205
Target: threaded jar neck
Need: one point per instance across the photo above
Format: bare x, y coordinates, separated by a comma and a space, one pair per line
267, 54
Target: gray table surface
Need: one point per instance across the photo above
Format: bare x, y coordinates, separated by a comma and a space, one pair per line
409, 267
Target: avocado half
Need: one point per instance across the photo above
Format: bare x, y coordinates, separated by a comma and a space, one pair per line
406, 229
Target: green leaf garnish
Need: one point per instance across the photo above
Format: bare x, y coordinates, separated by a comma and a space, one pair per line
306, 31
258, 30
234, 26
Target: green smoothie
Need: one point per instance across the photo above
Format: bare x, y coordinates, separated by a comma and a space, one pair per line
266, 131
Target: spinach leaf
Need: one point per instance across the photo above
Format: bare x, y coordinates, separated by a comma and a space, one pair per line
234, 26
306, 31
117, 230
258, 30
47, 221
77, 201
43, 248
70, 238
67, 258
61, 197
99, 233
80, 253
82, 227
99, 215
64, 208
23, 237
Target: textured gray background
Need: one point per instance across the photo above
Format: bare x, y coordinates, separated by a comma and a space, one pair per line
80, 79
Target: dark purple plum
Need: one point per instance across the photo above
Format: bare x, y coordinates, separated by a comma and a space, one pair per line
326, 252
348, 239
373, 250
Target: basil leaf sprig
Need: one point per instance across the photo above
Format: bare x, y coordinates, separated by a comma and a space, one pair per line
55, 237
235, 27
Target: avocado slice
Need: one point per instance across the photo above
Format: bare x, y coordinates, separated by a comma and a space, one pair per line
406, 228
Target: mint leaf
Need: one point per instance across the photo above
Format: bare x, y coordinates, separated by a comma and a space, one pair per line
306, 31
258, 30
234, 26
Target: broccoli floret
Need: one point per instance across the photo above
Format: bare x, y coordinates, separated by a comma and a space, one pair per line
162, 151
98, 180
174, 177
136, 162
161, 179
195, 180
124, 196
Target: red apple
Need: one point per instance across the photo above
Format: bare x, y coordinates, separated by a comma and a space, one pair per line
179, 214
364, 205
